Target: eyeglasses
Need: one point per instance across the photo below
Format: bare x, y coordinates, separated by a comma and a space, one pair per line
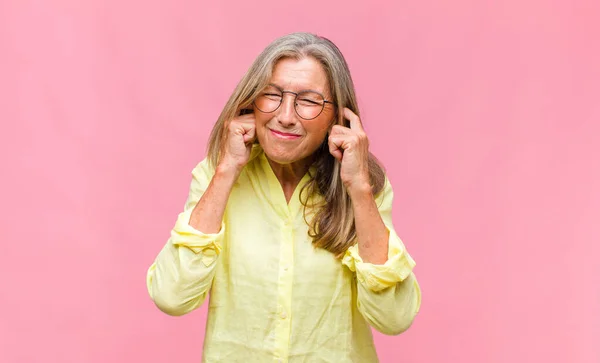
308, 104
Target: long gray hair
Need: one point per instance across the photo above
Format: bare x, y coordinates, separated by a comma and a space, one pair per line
332, 220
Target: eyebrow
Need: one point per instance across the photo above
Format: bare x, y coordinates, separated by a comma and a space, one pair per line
312, 90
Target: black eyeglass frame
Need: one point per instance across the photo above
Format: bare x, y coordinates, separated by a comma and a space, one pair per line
295, 103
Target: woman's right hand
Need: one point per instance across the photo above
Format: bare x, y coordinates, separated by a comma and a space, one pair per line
239, 137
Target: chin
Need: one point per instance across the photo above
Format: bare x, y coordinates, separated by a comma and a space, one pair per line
282, 157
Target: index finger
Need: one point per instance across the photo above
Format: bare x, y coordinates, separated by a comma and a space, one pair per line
355, 123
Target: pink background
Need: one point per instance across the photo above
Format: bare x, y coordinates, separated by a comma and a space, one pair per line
485, 115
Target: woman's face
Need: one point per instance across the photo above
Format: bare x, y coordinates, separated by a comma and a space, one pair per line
284, 136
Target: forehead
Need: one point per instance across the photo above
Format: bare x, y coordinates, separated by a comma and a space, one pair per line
296, 75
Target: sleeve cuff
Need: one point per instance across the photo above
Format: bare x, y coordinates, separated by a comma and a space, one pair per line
209, 245
398, 266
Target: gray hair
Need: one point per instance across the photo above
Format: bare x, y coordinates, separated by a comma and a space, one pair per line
332, 226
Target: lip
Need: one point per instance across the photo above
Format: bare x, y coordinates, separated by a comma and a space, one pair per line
283, 135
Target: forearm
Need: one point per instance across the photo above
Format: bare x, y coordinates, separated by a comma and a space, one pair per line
207, 215
389, 296
393, 310
180, 277
371, 232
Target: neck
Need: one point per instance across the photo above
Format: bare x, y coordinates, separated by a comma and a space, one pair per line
290, 174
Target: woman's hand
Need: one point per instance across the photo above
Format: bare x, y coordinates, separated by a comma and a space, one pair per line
351, 147
239, 137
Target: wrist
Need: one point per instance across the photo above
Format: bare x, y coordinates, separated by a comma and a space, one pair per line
227, 170
228, 165
359, 189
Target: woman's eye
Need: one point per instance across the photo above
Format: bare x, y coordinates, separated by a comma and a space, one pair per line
308, 102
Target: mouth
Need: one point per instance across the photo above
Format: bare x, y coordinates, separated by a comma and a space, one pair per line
284, 135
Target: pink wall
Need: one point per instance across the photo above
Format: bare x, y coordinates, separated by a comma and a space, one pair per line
485, 116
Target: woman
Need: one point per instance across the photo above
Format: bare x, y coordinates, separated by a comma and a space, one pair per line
288, 222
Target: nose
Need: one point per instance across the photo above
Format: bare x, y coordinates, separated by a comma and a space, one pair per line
286, 114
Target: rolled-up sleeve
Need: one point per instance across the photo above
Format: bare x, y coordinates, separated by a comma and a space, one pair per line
388, 295
179, 279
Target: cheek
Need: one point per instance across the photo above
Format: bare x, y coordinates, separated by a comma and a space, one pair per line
318, 127
260, 121
317, 132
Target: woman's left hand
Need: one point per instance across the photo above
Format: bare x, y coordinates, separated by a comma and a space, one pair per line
351, 147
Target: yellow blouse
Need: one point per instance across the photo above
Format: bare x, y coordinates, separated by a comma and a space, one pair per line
273, 296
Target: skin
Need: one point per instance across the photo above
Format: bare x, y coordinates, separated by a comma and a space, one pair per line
291, 157
289, 143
